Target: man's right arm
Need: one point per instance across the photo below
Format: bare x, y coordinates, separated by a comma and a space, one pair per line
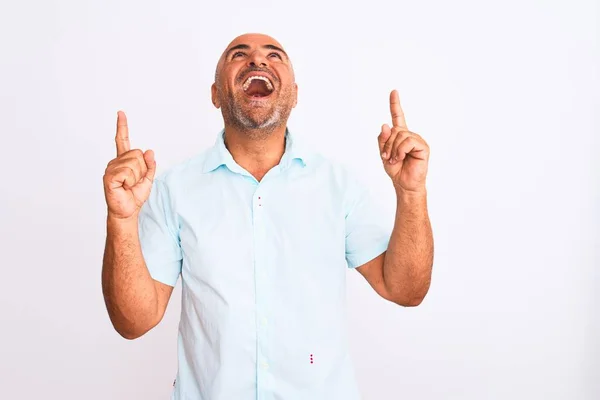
135, 302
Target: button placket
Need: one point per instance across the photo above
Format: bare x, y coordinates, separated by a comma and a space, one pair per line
261, 294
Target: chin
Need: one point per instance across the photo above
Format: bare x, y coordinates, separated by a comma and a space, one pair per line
254, 103
257, 121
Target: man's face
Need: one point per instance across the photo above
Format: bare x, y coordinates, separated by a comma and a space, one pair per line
254, 85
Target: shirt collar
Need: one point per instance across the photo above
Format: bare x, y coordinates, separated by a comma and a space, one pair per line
218, 155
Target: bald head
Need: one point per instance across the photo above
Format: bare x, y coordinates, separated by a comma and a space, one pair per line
243, 42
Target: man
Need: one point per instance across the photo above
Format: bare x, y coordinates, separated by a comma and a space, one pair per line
261, 231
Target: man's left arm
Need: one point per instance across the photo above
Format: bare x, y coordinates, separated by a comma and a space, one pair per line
403, 273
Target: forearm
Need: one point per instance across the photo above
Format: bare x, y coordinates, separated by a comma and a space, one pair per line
129, 290
409, 257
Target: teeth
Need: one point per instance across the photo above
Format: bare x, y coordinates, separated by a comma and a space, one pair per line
262, 78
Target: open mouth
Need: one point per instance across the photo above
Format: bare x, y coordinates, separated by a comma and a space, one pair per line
257, 87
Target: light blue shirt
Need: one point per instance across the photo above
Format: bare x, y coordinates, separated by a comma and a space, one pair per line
263, 268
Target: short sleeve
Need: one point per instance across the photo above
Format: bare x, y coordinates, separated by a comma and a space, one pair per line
368, 230
159, 238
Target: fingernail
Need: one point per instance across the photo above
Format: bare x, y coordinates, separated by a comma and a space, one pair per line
384, 155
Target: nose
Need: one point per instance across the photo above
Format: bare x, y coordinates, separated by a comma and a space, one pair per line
257, 59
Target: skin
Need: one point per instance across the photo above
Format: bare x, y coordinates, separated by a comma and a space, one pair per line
255, 137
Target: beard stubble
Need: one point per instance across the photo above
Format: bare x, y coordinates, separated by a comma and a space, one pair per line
257, 120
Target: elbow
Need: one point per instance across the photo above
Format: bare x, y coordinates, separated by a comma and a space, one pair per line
133, 333
127, 332
413, 301
133, 324
409, 298
135, 330
130, 335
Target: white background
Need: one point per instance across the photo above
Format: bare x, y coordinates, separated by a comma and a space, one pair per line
504, 92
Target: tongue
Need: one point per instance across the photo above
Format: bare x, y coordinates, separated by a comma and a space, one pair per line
257, 88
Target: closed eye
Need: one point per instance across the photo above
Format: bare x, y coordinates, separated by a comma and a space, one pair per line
238, 53
276, 55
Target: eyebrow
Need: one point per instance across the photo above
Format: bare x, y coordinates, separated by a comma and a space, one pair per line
247, 47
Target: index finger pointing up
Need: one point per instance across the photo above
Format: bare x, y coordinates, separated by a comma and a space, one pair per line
397, 114
122, 138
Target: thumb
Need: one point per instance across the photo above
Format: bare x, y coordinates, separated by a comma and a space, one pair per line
151, 164
383, 137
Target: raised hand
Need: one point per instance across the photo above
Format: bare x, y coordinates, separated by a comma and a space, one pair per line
405, 154
128, 178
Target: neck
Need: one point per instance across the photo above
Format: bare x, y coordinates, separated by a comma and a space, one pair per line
256, 151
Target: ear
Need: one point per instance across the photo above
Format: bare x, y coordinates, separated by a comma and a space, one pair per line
214, 97
295, 95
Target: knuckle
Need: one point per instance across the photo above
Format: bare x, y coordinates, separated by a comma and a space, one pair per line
407, 136
131, 162
137, 152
